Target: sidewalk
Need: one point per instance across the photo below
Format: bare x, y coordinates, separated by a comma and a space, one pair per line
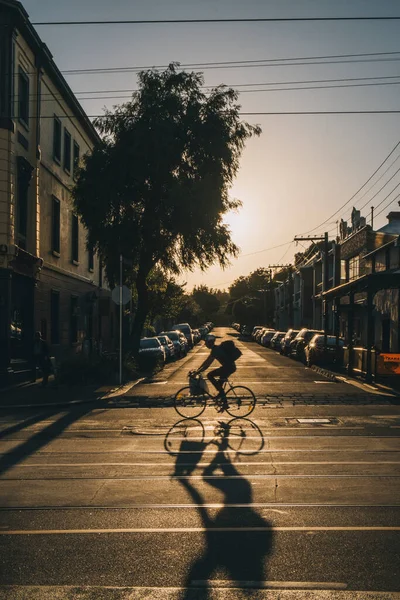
34, 395
391, 387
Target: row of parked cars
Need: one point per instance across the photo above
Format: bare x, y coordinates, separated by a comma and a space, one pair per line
175, 343
306, 345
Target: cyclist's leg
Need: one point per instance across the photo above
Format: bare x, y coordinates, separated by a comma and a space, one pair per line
215, 377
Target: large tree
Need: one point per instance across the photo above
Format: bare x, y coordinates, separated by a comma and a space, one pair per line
156, 188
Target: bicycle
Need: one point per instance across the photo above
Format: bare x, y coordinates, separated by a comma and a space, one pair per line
191, 401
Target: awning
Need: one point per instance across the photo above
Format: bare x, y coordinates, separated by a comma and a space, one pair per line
372, 282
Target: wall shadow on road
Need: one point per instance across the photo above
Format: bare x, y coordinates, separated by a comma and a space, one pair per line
41, 438
237, 556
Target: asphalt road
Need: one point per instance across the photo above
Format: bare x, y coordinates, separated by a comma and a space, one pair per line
125, 500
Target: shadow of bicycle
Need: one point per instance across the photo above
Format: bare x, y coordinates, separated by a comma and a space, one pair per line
237, 539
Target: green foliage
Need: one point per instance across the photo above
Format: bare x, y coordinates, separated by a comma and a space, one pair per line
156, 188
207, 300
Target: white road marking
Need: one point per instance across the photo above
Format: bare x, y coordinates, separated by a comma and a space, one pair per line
203, 464
323, 592
309, 585
93, 531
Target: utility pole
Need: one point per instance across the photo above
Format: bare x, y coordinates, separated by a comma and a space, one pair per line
291, 291
325, 274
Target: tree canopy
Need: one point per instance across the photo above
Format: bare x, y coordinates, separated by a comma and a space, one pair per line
155, 189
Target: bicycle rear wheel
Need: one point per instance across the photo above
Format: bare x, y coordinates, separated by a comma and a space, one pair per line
190, 405
240, 401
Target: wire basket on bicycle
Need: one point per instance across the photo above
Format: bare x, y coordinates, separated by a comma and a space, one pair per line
197, 383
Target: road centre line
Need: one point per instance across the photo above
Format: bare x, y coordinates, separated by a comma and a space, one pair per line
189, 530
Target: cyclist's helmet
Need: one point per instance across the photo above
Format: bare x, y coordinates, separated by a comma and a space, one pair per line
210, 340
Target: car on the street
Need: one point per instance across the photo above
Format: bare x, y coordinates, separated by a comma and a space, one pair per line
275, 342
186, 330
299, 343
267, 337
285, 341
151, 347
179, 341
196, 336
203, 331
256, 329
259, 333
316, 353
169, 347
245, 331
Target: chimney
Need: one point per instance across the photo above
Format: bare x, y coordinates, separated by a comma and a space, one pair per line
393, 216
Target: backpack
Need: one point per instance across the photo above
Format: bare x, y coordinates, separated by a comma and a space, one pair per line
231, 351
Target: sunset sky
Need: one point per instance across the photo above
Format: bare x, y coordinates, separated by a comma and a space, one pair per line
303, 168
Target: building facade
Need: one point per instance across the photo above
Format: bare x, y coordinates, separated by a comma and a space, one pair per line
49, 280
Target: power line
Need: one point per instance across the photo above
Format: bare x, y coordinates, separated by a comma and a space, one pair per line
266, 63
243, 20
355, 194
234, 85
386, 206
288, 89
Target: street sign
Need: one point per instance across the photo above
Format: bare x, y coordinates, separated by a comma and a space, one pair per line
126, 295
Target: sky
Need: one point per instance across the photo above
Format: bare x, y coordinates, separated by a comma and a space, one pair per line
302, 168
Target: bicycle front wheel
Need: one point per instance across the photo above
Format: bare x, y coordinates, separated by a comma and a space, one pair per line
190, 405
240, 401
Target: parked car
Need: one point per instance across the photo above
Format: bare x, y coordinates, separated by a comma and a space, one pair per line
245, 331
203, 331
275, 342
267, 337
259, 333
152, 347
169, 347
256, 329
196, 336
316, 353
285, 341
179, 341
298, 345
186, 330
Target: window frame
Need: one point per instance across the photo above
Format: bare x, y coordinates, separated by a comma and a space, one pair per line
23, 118
67, 151
75, 157
57, 144
75, 239
55, 235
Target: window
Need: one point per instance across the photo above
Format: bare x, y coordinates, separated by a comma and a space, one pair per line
75, 158
67, 151
354, 268
75, 239
91, 258
57, 140
23, 97
73, 320
55, 317
55, 226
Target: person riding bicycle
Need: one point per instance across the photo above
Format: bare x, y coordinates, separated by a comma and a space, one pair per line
226, 358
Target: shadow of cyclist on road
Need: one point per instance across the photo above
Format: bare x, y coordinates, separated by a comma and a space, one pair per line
236, 555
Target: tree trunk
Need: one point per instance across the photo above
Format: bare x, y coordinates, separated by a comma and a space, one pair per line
141, 311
